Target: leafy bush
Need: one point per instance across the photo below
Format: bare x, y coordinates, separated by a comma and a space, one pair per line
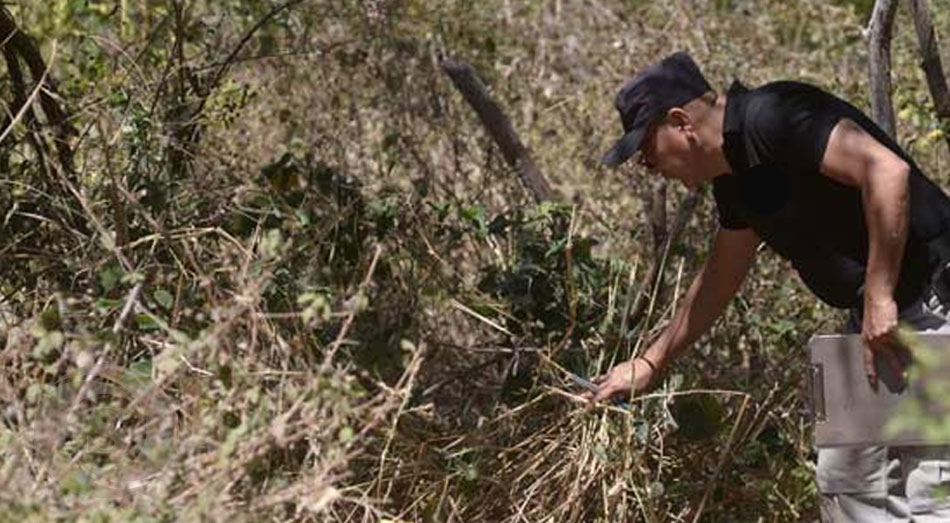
307, 286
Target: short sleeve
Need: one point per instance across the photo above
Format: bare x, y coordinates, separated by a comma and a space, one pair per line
790, 127
726, 193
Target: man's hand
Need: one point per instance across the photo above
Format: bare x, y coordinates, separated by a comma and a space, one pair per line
619, 379
879, 331
726, 266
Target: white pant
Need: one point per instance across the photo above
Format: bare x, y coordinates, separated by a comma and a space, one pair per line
888, 484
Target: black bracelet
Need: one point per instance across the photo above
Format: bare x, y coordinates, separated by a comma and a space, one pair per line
648, 362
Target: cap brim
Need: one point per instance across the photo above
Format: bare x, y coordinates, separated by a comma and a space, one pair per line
625, 147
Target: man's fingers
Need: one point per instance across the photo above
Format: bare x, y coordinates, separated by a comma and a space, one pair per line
886, 350
892, 360
869, 365
605, 392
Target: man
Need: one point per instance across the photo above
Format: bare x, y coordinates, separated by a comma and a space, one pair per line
823, 186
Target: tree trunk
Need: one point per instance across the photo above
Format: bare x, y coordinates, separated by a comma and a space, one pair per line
879, 63
931, 63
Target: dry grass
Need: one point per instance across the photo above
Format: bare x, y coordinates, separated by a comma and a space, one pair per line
320, 338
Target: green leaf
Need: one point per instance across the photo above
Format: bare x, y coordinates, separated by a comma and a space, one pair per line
346, 434
145, 322
303, 217
139, 373
77, 483
48, 346
107, 305
234, 436
50, 320
163, 298
133, 277
473, 213
556, 247
34, 392
110, 276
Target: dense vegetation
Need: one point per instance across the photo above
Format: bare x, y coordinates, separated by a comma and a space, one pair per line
281, 273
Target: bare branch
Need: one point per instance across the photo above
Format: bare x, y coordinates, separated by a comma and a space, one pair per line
25, 106
930, 60
656, 213
27, 50
879, 33
127, 309
499, 127
232, 57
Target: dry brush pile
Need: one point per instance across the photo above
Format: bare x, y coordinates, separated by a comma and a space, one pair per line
287, 276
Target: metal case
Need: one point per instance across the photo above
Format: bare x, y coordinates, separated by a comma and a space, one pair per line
845, 409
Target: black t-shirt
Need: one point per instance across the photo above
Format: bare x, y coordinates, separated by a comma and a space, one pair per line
775, 137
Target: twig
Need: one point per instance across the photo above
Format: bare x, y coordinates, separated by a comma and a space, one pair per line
569, 283
722, 462
458, 305
651, 287
408, 381
33, 96
24, 46
116, 327
349, 319
237, 49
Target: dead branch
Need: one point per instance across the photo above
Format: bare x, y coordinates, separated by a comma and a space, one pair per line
233, 56
930, 60
18, 45
33, 95
499, 128
879, 33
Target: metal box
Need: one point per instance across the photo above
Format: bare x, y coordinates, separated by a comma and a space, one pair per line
845, 409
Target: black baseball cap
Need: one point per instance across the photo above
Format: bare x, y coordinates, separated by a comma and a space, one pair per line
647, 97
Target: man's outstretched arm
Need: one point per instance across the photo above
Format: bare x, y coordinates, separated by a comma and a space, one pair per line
725, 268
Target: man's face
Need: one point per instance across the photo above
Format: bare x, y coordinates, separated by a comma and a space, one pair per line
666, 149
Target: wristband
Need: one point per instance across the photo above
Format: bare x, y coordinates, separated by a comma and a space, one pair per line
648, 362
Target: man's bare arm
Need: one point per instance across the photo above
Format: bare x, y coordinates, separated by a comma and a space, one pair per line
855, 158
716, 284
726, 266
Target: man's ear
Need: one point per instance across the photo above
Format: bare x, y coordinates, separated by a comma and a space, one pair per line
679, 118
